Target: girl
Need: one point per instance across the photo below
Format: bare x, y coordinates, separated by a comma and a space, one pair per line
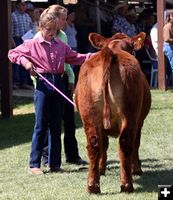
47, 55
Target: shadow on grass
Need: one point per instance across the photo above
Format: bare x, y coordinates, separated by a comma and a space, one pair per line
150, 180
19, 128
19, 101
16, 131
163, 107
76, 170
154, 174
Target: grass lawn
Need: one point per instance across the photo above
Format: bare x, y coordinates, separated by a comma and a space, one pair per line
156, 153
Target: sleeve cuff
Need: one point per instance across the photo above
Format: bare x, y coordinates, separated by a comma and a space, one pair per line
23, 61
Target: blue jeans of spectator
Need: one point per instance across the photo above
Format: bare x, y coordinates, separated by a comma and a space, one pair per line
168, 51
48, 115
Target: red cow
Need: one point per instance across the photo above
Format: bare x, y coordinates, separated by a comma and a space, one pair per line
113, 99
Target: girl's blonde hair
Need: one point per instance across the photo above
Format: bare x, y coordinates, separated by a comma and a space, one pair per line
46, 18
57, 10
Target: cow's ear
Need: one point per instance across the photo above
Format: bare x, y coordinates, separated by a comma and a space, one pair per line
138, 40
96, 40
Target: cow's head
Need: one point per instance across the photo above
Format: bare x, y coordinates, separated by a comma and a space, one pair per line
118, 41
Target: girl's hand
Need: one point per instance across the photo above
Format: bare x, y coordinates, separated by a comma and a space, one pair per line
32, 72
28, 66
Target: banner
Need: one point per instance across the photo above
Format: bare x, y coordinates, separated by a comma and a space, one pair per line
70, 1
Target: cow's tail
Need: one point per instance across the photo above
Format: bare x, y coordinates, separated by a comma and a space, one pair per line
109, 59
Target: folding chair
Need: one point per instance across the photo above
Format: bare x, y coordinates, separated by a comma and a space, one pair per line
154, 69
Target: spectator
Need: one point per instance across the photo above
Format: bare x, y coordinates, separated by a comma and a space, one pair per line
120, 23
70, 29
71, 33
154, 34
106, 18
141, 23
83, 25
29, 9
131, 17
150, 20
21, 23
168, 39
154, 40
154, 37
35, 15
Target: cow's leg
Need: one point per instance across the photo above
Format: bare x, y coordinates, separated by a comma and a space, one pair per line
125, 155
136, 163
93, 147
103, 156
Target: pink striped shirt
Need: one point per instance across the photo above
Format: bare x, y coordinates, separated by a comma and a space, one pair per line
47, 57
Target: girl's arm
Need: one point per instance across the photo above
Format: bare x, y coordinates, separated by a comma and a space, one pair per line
75, 58
19, 56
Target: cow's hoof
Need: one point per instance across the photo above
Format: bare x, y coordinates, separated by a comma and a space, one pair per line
94, 189
127, 188
137, 172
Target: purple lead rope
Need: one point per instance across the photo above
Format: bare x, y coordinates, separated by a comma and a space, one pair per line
69, 100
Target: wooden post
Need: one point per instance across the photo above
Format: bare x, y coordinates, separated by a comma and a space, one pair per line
98, 16
161, 60
5, 65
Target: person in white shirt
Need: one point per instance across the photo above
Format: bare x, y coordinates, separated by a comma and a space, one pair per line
154, 37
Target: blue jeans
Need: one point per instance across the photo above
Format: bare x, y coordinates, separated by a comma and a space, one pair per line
70, 142
48, 115
168, 51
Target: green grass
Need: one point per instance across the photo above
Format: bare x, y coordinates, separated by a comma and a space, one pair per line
156, 154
